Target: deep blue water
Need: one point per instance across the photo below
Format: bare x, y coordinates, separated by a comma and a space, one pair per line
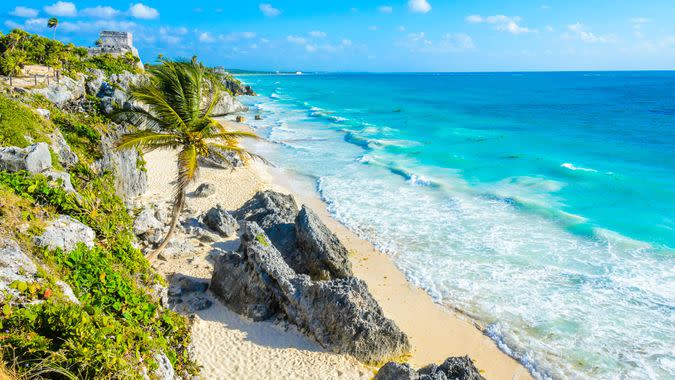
542, 204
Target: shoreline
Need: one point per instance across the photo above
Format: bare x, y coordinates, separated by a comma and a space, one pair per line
434, 331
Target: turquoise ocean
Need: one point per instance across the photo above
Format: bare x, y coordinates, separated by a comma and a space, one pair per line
540, 204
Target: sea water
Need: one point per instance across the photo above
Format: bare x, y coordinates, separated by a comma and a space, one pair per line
541, 204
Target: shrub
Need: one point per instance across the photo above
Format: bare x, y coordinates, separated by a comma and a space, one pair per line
17, 122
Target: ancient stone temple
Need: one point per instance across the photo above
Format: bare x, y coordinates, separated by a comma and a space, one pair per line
115, 43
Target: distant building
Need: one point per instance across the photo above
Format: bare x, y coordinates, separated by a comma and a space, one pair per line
115, 43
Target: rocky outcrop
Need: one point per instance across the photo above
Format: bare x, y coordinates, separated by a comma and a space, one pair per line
130, 180
226, 105
454, 368
307, 245
15, 265
35, 158
340, 314
164, 370
67, 158
64, 91
219, 220
65, 233
204, 190
322, 254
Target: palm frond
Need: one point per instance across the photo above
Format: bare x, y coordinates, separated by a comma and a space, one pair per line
160, 107
231, 135
138, 117
149, 140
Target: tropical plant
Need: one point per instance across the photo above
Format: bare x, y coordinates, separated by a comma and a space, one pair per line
52, 23
180, 100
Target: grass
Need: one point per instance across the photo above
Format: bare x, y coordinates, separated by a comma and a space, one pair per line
21, 126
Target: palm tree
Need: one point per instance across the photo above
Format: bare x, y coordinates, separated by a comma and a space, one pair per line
179, 100
52, 23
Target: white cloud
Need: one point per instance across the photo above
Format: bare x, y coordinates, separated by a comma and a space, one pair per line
143, 11
24, 12
100, 12
578, 31
385, 9
206, 37
501, 22
346, 42
419, 6
372, 28
268, 10
549, 28
401, 28
474, 19
237, 36
172, 36
317, 33
61, 8
31, 25
310, 48
296, 40
448, 43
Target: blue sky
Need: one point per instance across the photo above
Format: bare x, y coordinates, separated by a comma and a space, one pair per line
360, 35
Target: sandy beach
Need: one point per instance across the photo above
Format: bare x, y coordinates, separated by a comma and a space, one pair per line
229, 346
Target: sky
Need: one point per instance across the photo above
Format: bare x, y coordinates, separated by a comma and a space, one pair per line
376, 36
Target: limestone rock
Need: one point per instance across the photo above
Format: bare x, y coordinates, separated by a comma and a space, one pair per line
65, 233
43, 112
94, 81
34, 158
178, 247
68, 292
205, 190
146, 222
66, 156
15, 265
219, 220
130, 180
198, 303
454, 368
221, 159
322, 255
275, 213
228, 104
340, 314
62, 179
165, 370
63, 92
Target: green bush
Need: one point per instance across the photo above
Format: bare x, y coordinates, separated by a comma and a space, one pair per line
17, 122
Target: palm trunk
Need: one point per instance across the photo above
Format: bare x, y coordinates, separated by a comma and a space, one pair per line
177, 209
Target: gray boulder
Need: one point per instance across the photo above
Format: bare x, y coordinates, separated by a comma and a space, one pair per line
396, 371
63, 92
177, 247
34, 158
221, 159
198, 303
340, 314
322, 255
221, 221
43, 112
454, 368
275, 213
247, 280
65, 233
146, 222
165, 370
61, 179
205, 190
15, 265
66, 156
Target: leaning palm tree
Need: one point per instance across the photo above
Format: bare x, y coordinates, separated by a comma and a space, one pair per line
178, 101
52, 23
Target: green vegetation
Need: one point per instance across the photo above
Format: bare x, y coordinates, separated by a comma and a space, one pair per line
175, 97
17, 122
19, 48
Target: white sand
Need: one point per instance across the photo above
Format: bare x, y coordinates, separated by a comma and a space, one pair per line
229, 347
